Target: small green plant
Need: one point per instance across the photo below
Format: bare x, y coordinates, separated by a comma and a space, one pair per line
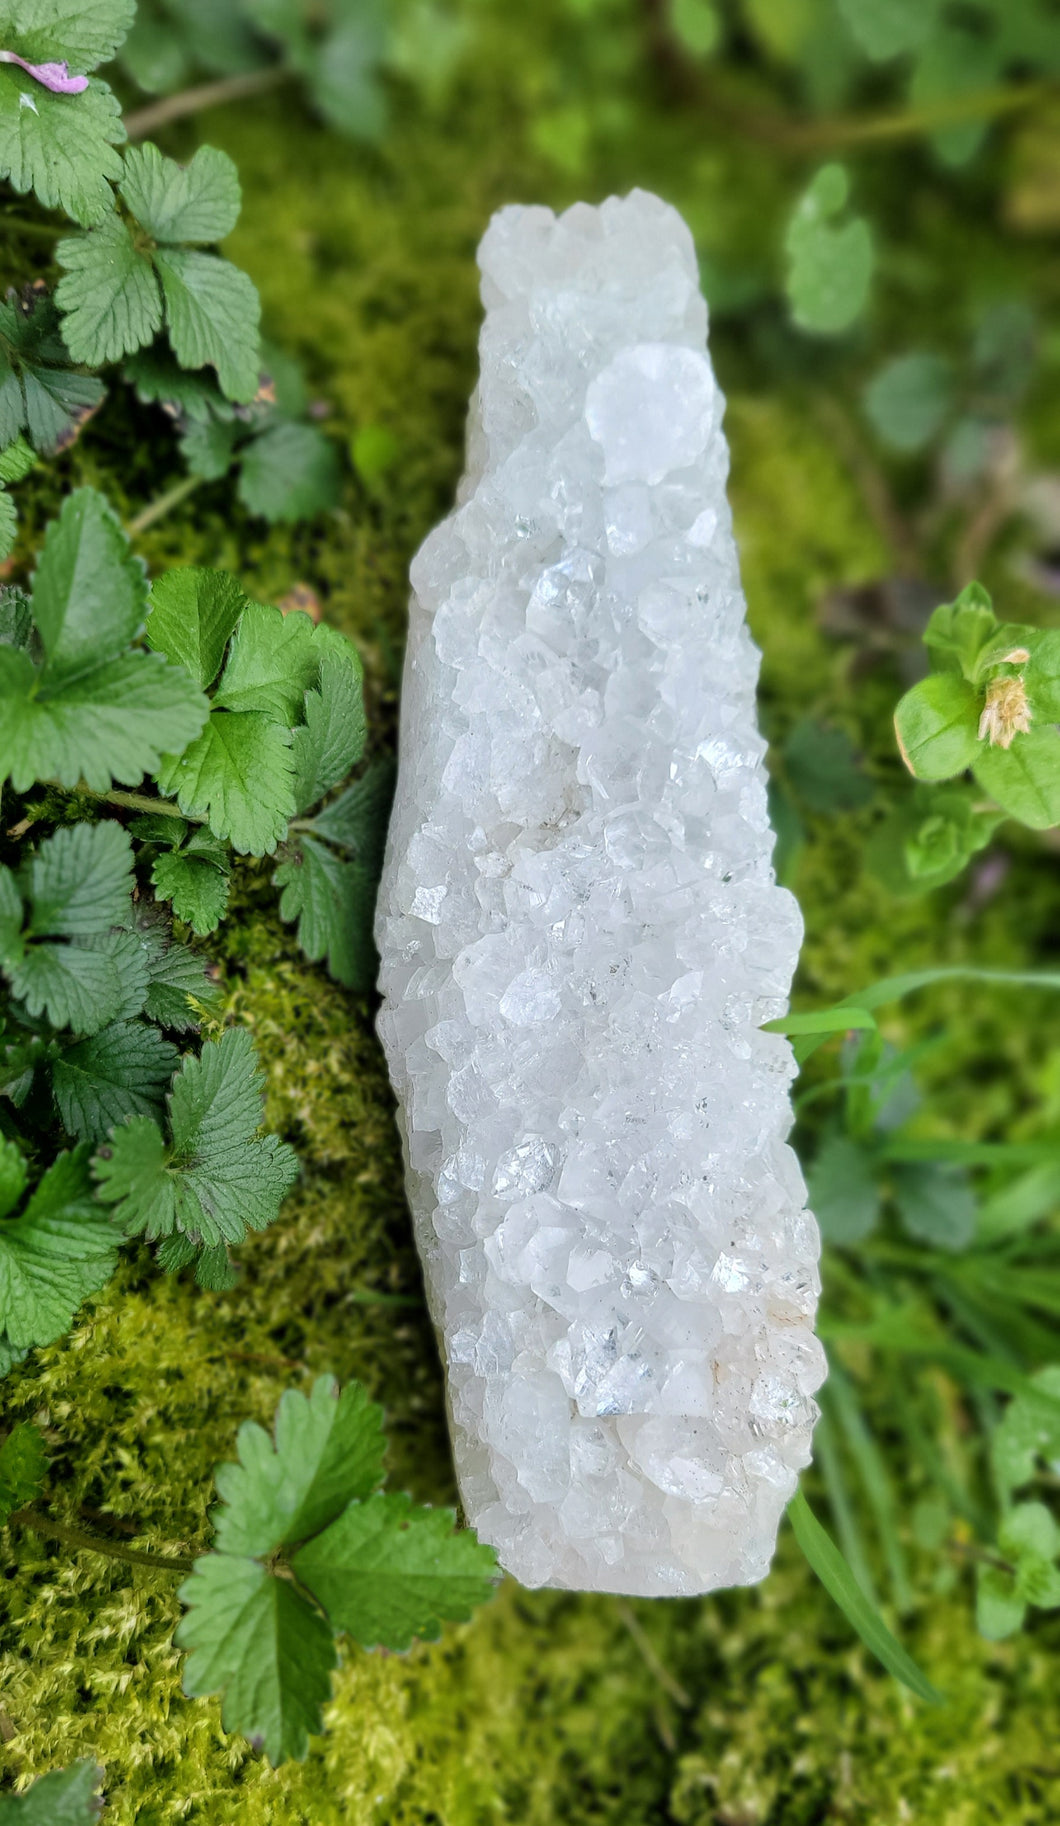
307, 1548
66, 1797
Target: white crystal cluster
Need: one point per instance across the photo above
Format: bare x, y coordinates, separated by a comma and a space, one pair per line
581, 935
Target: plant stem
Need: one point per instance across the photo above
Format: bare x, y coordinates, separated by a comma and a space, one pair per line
205, 95
141, 802
909, 123
39, 231
95, 1543
163, 504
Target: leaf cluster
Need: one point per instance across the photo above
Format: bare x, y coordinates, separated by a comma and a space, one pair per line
991, 704
307, 1546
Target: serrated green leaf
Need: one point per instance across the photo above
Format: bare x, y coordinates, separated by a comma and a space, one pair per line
209, 449
238, 774
113, 723
290, 472
80, 33
219, 1177
908, 400
109, 294
73, 986
13, 1175
196, 887
328, 1452
333, 902
8, 523
16, 461
22, 1466
55, 1253
212, 311
66, 1797
357, 820
120, 1072
199, 201
255, 1640
160, 380
16, 617
387, 1572
937, 725
89, 591
80, 881
1024, 779
60, 146
829, 264
331, 738
193, 615
844, 1191
272, 661
39, 391
176, 979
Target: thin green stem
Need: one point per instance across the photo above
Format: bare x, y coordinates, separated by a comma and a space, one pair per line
163, 504
36, 231
205, 95
95, 1543
909, 123
142, 802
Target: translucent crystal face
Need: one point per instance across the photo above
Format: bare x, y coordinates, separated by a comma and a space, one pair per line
581, 937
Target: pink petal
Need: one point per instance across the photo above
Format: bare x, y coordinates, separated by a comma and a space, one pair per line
54, 76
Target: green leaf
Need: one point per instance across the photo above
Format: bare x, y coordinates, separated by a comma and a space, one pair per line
209, 449
199, 201
822, 767
331, 739
928, 839
937, 725
256, 1641
272, 661
936, 1204
59, 1250
1041, 677
16, 618
66, 1797
8, 523
193, 615
333, 902
196, 882
357, 820
159, 379
38, 388
212, 310
846, 1018
16, 461
844, 1191
386, 1572
958, 632
1028, 1434
885, 28
343, 74
89, 591
176, 980
60, 146
1029, 1529
1024, 779
290, 472
13, 1175
696, 26
909, 400
829, 264
835, 1575
999, 1611
328, 1452
119, 1072
22, 1466
73, 986
81, 33
91, 710
109, 294
219, 1177
238, 774
80, 881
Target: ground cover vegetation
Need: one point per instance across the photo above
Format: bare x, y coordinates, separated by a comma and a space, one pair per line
191, 835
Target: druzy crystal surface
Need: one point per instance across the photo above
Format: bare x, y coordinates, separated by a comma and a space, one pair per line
581, 936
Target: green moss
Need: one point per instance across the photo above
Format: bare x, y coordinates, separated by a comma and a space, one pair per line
752, 1709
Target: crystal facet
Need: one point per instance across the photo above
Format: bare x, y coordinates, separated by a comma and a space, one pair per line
581, 936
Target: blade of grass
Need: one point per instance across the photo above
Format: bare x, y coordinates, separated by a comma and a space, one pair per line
827, 1458
972, 1153
893, 988
839, 1582
875, 1477
1019, 1205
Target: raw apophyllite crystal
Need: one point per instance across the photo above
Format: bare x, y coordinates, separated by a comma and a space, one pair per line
581, 936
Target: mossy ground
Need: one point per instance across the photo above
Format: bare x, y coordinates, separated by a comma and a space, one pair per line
751, 1709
